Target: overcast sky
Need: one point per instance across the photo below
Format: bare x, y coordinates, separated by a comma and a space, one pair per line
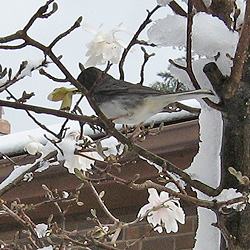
15, 14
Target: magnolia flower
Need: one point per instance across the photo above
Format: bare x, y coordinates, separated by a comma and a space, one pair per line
33, 147
163, 2
104, 47
162, 211
80, 162
41, 230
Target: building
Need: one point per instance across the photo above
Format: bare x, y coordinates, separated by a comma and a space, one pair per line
178, 142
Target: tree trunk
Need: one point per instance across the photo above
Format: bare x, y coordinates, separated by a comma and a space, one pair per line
236, 147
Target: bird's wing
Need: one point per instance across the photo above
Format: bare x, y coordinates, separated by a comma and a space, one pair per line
122, 87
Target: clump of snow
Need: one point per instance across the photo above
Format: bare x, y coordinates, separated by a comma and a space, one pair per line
67, 146
18, 171
46, 248
162, 32
80, 162
210, 35
28, 177
43, 166
30, 66
65, 194
241, 5
206, 164
163, 2
228, 194
206, 232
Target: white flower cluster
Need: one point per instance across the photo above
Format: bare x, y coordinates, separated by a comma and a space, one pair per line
104, 47
66, 153
162, 211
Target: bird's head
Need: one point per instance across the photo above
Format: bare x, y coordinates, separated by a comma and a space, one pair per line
88, 77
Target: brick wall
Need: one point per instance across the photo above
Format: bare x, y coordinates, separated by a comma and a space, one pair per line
182, 240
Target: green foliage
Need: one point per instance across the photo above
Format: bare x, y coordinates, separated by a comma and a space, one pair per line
169, 83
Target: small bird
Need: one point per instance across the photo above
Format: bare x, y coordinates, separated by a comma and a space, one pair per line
127, 103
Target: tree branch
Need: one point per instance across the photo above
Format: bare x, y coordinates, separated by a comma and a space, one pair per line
67, 32
242, 52
134, 40
58, 113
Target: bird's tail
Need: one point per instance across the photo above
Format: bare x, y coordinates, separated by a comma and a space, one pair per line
193, 94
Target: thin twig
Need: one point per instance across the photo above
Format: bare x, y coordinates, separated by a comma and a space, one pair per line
33, 118
135, 39
146, 58
8, 158
13, 47
101, 203
38, 14
67, 32
43, 72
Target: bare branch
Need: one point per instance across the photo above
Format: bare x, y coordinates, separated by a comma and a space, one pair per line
32, 117
43, 72
101, 203
242, 52
146, 58
67, 32
39, 14
177, 8
135, 39
58, 113
13, 47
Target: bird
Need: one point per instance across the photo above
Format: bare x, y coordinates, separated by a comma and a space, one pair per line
127, 103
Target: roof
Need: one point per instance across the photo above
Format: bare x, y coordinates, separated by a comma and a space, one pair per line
13, 144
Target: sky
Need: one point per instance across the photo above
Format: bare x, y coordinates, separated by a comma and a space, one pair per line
110, 13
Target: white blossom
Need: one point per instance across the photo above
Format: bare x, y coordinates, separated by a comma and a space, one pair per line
162, 211
163, 2
104, 47
68, 146
41, 230
79, 161
33, 147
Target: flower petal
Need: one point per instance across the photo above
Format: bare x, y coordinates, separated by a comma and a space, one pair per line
153, 196
144, 210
